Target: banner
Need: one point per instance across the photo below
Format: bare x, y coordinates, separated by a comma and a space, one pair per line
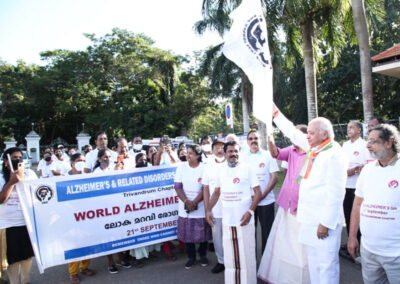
246, 44
85, 216
229, 114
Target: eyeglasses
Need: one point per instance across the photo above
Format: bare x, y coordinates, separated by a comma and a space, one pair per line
252, 138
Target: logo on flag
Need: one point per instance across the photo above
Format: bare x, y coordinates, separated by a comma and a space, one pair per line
255, 39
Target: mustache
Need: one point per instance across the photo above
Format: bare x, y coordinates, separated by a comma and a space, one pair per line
254, 143
233, 156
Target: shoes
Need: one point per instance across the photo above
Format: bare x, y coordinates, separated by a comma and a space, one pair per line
74, 279
113, 269
171, 257
218, 268
344, 253
124, 264
203, 261
88, 272
153, 256
190, 263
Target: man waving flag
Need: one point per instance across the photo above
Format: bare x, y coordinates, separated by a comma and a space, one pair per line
246, 44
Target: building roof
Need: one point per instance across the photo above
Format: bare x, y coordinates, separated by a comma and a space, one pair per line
390, 52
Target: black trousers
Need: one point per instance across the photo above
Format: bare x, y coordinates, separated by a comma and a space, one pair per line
266, 215
191, 249
347, 207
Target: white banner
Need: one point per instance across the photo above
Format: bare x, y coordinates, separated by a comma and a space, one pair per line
246, 44
85, 216
229, 114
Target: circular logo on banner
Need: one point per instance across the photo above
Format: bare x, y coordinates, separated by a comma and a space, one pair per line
228, 112
44, 193
393, 184
236, 180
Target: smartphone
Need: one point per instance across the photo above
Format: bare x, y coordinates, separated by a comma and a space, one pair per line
15, 164
120, 159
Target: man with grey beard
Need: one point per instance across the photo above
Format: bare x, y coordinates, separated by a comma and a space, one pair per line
376, 209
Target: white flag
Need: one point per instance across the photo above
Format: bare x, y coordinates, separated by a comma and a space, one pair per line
246, 44
229, 114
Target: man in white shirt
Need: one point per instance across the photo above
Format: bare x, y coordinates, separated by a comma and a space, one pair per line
322, 189
137, 146
376, 209
205, 143
357, 153
235, 184
209, 179
266, 170
101, 141
61, 165
124, 161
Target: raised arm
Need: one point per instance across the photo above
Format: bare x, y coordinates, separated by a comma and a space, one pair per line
296, 136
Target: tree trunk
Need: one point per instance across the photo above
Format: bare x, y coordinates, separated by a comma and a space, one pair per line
245, 103
360, 25
309, 68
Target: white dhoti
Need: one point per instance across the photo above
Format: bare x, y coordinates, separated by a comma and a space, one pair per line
284, 260
322, 254
240, 254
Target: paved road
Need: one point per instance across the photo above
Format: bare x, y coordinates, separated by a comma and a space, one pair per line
164, 271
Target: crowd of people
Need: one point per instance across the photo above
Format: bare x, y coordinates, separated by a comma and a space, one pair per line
225, 190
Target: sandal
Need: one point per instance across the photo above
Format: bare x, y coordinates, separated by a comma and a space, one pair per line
88, 272
74, 279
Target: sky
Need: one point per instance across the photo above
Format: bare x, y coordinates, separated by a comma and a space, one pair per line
29, 27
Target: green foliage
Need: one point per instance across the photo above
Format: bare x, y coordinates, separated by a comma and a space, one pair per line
120, 84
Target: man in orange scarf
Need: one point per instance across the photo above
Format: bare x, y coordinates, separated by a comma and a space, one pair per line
322, 188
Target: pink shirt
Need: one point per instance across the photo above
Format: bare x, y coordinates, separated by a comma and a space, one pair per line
289, 195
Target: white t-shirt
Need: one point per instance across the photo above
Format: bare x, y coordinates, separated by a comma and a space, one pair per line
62, 166
166, 160
380, 210
11, 211
47, 170
91, 158
191, 178
209, 178
100, 170
236, 186
262, 165
357, 154
132, 154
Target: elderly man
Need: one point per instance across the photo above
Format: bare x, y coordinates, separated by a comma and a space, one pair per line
209, 179
101, 140
235, 184
376, 209
322, 189
357, 153
124, 161
266, 169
